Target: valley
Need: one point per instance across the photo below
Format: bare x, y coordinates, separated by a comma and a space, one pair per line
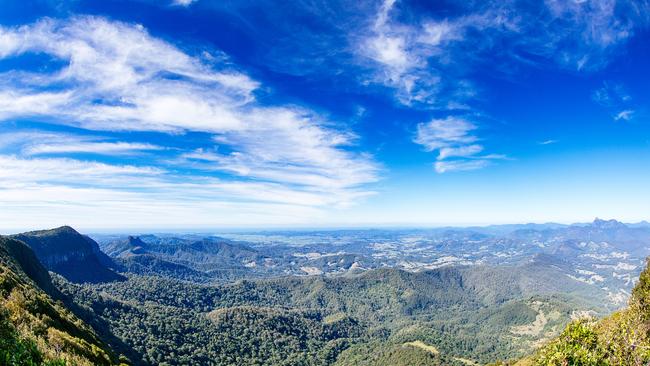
604, 254
356, 297
324, 183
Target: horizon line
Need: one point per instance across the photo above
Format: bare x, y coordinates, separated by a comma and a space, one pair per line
306, 228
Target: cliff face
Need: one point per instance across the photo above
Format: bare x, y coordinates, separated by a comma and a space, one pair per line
34, 328
21, 259
70, 254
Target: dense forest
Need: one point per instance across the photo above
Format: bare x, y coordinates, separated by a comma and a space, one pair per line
313, 320
459, 315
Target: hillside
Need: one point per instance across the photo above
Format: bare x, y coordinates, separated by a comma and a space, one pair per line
70, 254
622, 338
464, 312
199, 259
34, 328
633, 239
163, 312
607, 255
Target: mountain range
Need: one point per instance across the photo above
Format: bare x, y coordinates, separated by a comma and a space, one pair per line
346, 298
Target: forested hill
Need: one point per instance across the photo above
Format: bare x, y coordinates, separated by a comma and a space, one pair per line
34, 328
197, 259
372, 318
622, 338
452, 315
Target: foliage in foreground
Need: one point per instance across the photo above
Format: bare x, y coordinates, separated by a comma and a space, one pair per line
35, 329
17, 351
620, 339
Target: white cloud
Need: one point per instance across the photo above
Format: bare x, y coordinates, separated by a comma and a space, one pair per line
16, 103
461, 151
37, 185
454, 139
437, 33
389, 51
615, 98
16, 171
111, 148
117, 77
183, 2
611, 94
424, 58
315, 160
590, 28
459, 165
624, 115
31, 143
412, 57
128, 71
442, 133
548, 142
400, 62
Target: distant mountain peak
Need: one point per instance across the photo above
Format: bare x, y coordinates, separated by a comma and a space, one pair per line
66, 228
58, 230
607, 224
135, 240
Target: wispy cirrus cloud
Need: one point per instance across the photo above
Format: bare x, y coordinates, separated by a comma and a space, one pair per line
44, 191
17, 171
423, 54
419, 58
460, 165
548, 142
111, 148
30, 143
624, 115
445, 133
117, 77
405, 55
592, 30
37, 187
616, 99
457, 144
183, 2
460, 151
427, 59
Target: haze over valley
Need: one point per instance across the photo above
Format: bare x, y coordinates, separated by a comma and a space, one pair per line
324, 183
379, 297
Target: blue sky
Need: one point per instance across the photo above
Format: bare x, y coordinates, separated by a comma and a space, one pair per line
210, 114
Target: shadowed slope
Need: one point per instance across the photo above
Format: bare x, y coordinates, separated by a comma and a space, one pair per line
36, 329
70, 254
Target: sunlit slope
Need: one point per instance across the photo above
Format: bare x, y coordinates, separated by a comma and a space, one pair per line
622, 338
376, 317
34, 328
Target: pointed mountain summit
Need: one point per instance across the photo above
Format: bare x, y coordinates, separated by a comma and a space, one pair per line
72, 255
608, 224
